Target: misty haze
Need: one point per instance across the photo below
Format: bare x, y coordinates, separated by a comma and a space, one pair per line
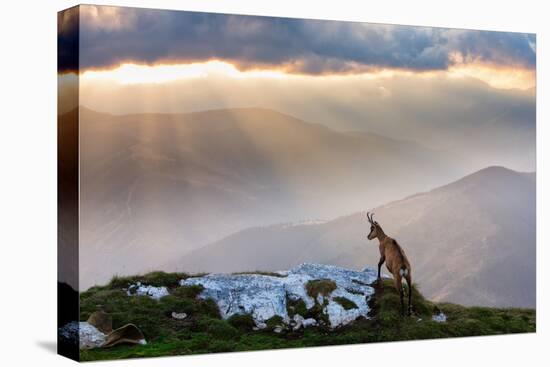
255, 189
265, 149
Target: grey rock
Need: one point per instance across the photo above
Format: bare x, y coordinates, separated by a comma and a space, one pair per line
264, 296
179, 316
440, 317
87, 335
139, 289
260, 325
298, 322
309, 322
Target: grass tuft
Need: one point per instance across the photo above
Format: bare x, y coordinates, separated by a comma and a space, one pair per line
274, 321
155, 278
243, 322
347, 303
320, 286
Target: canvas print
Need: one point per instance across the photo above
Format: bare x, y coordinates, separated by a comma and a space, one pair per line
237, 183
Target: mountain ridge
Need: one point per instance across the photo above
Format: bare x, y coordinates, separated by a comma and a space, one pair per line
154, 187
495, 206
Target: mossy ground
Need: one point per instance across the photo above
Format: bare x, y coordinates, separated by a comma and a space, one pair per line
348, 304
320, 287
204, 332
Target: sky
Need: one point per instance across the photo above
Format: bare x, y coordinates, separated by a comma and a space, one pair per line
445, 88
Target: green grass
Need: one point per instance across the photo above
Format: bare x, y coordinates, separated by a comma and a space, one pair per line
320, 286
203, 331
274, 322
348, 304
297, 307
242, 322
155, 278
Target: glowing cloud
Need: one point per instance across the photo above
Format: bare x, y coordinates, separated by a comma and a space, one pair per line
157, 74
128, 74
496, 77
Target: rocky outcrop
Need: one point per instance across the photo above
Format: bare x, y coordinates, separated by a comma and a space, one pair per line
266, 296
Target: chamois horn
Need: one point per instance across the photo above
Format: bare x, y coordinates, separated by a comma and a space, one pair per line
370, 218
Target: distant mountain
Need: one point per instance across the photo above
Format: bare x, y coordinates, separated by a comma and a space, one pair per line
470, 242
155, 186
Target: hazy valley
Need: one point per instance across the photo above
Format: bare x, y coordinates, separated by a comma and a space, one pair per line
470, 242
156, 186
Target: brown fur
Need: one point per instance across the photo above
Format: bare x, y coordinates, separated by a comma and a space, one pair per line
396, 261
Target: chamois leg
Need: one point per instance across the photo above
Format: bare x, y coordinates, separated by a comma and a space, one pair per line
399, 287
380, 262
409, 286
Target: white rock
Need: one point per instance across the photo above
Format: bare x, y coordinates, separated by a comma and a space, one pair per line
87, 335
320, 299
260, 325
441, 317
278, 329
298, 318
309, 322
147, 290
179, 316
264, 296
298, 322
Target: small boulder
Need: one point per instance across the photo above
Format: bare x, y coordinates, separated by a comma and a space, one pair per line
179, 316
139, 289
440, 317
298, 322
86, 335
309, 322
260, 325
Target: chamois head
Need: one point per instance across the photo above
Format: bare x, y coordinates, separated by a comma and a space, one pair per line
375, 228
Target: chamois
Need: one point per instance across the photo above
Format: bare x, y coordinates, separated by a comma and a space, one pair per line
395, 258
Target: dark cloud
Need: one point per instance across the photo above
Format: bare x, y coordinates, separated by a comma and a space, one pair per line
67, 39
110, 36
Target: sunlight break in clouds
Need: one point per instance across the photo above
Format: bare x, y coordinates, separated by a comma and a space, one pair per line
496, 77
142, 74
129, 73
